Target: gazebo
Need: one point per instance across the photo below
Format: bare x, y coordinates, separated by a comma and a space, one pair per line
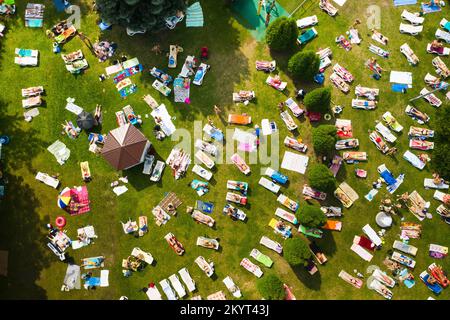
125, 147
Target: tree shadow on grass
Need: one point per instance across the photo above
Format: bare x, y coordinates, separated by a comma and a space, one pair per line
22, 234
313, 282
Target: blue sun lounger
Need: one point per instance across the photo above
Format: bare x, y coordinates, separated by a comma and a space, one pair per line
307, 36
206, 207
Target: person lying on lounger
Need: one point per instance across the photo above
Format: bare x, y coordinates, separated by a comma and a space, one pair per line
418, 114
436, 44
380, 36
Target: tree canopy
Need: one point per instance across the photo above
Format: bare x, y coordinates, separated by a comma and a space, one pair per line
296, 252
318, 100
304, 65
281, 34
271, 287
321, 178
139, 14
324, 139
311, 216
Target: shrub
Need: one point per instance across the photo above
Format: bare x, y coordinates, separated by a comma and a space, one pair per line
441, 124
296, 252
321, 178
324, 139
304, 65
311, 216
271, 287
281, 34
318, 100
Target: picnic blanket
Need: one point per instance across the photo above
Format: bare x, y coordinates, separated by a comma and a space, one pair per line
401, 77
194, 15
295, 162
166, 124
72, 278
398, 3
72, 107
128, 73
181, 89
60, 151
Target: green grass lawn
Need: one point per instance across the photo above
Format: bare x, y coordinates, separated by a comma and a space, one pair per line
35, 273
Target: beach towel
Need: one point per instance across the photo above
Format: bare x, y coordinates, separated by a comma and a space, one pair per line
398, 87
181, 87
372, 193
166, 124
295, 162
120, 190
401, 78
194, 16
72, 278
404, 2
60, 151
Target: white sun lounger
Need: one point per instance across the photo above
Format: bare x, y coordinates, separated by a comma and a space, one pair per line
360, 251
307, 22
200, 74
232, 287
372, 235
140, 254
272, 245
380, 288
412, 18
153, 293
440, 34
187, 279
429, 184
176, 284
410, 29
385, 132
203, 158
440, 196
413, 159
45, 178
104, 278
168, 291
431, 98
185, 70
445, 50
26, 61
269, 185
251, 267
383, 278
409, 54
202, 172
406, 248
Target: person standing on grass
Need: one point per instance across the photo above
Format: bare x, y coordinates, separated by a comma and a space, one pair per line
217, 110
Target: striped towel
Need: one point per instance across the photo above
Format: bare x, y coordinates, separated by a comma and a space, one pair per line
194, 15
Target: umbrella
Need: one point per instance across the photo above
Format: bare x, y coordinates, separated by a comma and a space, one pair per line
85, 120
64, 198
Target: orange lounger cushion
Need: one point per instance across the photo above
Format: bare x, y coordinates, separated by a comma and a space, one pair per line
333, 225
239, 119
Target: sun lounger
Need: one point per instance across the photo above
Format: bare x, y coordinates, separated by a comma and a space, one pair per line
417, 205
203, 218
288, 203
234, 213
404, 260
241, 119
442, 197
307, 36
431, 98
422, 133
379, 142
445, 24
419, 144
385, 132
251, 267
187, 279
26, 53
203, 158
48, 180
213, 132
380, 288
432, 285
280, 228
378, 51
219, 295
435, 83
276, 83
161, 76
153, 293
186, 71
173, 54
310, 192
388, 178
310, 232
357, 283
429, 184
364, 242
335, 165
158, 85
332, 211
364, 104
413, 159
412, 18
295, 144
243, 96
343, 42
168, 291
271, 244
369, 93
32, 91
360, 251
240, 163
441, 67
437, 251
208, 243
344, 128
232, 287
269, 185
268, 127
174, 243
262, 258
339, 82
392, 122
442, 51
26, 61
176, 284
276, 176
288, 121
417, 115
343, 73
326, 6
206, 146
236, 198
207, 268
443, 35
266, 66
410, 29
142, 255
199, 170
240, 186
157, 171
379, 37
307, 22
332, 225
354, 36
403, 247
285, 215
200, 74
409, 53
353, 156
346, 195
148, 164
346, 144
317, 253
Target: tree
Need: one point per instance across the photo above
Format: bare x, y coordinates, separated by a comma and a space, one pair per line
281, 34
440, 159
271, 287
304, 65
324, 138
321, 178
318, 100
296, 252
311, 216
441, 124
139, 14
